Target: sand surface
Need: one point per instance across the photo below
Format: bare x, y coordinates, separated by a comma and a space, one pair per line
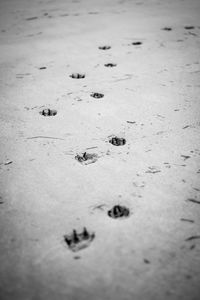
151, 99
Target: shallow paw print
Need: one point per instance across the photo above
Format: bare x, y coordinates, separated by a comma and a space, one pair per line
138, 43
117, 141
97, 95
48, 112
167, 28
106, 47
189, 27
77, 75
110, 65
118, 211
86, 158
78, 241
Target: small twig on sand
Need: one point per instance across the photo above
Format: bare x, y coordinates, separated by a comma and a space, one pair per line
44, 137
91, 148
8, 162
194, 201
187, 220
194, 237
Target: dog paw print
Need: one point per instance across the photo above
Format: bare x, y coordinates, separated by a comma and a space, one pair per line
104, 47
78, 241
167, 28
110, 65
118, 211
137, 43
117, 141
77, 75
97, 95
189, 27
48, 112
86, 158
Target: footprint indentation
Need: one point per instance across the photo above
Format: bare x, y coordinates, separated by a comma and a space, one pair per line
110, 65
167, 28
97, 95
189, 27
77, 75
136, 43
48, 112
86, 158
118, 211
78, 241
104, 47
116, 141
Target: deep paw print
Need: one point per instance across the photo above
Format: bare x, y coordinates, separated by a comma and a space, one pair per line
118, 211
97, 95
167, 28
189, 27
48, 112
77, 75
116, 141
136, 43
87, 158
104, 47
110, 65
78, 241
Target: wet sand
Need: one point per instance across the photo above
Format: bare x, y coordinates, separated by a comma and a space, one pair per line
100, 150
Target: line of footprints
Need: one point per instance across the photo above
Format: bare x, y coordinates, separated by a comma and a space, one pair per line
77, 241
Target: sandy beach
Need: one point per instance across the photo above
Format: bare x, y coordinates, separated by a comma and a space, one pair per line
100, 150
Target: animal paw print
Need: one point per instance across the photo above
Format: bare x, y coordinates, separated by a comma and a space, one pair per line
86, 158
97, 95
118, 211
137, 43
78, 241
167, 28
77, 76
116, 141
110, 65
48, 112
104, 47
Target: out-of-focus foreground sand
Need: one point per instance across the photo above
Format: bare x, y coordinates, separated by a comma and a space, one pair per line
45, 193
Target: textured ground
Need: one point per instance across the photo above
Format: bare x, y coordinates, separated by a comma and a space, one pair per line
151, 99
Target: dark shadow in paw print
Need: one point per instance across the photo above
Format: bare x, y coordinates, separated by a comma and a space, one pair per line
189, 27
97, 95
118, 211
110, 65
48, 112
87, 158
104, 47
78, 241
77, 75
167, 28
136, 43
116, 141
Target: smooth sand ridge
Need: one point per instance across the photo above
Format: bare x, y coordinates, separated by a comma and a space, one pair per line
99, 173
